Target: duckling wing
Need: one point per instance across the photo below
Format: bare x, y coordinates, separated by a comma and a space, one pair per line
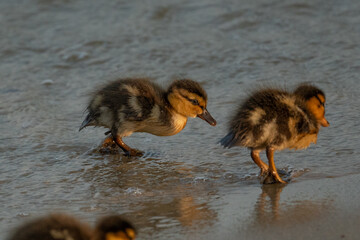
124, 104
261, 120
138, 108
140, 98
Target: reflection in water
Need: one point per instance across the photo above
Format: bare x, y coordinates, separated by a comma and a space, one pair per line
190, 212
269, 199
270, 212
135, 187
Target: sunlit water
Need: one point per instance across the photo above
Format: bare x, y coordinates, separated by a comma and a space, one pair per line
54, 53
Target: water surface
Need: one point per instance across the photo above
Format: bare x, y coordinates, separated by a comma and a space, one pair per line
54, 53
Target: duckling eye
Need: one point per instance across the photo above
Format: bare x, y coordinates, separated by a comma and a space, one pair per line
321, 104
194, 102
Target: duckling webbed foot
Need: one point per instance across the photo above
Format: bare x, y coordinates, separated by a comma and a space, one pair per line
134, 153
271, 178
263, 172
109, 146
130, 152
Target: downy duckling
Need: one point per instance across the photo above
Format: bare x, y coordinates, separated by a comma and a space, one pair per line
64, 227
139, 105
274, 119
114, 228
51, 227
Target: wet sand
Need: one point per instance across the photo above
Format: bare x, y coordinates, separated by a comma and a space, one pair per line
314, 209
54, 53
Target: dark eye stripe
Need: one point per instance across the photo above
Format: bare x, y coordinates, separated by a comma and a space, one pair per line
193, 101
321, 103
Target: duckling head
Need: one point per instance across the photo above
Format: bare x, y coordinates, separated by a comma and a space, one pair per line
315, 102
115, 228
188, 98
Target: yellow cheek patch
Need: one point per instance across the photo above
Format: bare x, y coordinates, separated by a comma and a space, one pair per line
182, 105
313, 106
175, 100
129, 235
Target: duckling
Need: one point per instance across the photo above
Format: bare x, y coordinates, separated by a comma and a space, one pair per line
64, 227
114, 228
139, 105
51, 227
274, 120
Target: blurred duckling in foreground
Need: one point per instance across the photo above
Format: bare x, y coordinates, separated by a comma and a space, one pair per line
64, 227
274, 119
114, 227
139, 105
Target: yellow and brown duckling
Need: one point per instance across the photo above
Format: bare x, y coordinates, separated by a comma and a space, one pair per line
139, 105
64, 227
273, 119
114, 228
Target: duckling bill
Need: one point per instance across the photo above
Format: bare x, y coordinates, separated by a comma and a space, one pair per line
273, 120
139, 105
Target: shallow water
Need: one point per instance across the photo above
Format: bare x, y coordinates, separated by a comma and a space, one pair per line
54, 53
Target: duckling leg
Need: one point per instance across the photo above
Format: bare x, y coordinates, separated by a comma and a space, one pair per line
108, 142
128, 150
109, 146
255, 155
272, 169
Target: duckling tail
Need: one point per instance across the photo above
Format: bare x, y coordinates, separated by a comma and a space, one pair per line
86, 122
229, 140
